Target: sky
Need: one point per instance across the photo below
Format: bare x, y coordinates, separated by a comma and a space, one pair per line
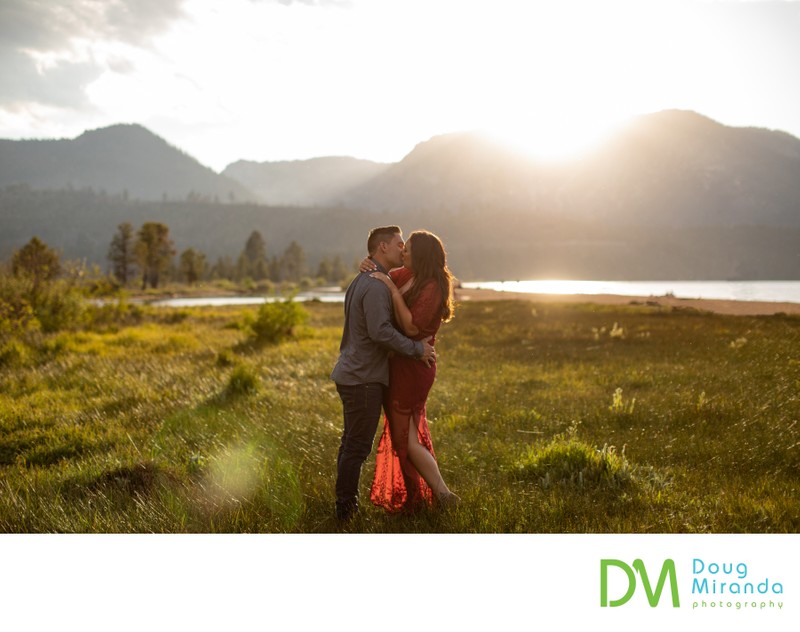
295, 79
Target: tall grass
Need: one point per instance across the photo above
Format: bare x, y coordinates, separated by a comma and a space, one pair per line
542, 420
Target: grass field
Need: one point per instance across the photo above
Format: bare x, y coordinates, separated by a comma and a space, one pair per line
545, 419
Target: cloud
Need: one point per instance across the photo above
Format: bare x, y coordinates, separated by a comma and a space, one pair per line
61, 85
47, 51
341, 4
51, 26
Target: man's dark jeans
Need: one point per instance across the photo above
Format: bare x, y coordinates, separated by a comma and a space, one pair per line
362, 410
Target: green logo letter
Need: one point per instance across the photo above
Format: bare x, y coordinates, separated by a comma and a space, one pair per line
604, 564
667, 569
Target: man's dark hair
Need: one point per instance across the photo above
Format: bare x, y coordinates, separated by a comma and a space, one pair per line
377, 235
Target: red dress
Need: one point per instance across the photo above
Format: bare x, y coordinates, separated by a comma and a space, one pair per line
397, 485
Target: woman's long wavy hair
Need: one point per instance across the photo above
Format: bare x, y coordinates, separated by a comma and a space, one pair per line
430, 262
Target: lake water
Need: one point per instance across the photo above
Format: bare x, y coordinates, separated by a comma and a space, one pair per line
325, 296
773, 291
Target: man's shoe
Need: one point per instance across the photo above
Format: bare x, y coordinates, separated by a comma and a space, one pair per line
346, 511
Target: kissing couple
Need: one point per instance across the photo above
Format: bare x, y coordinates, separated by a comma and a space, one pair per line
387, 360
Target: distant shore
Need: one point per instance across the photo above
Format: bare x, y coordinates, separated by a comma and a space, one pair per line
736, 308
718, 306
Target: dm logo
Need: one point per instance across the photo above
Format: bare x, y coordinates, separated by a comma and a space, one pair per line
653, 597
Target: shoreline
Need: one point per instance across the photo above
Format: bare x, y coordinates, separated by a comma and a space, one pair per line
717, 306
732, 307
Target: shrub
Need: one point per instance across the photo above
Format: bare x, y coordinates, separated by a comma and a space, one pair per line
13, 353
306, 283
265, 286
112, 314
243, 381
569, 462
27, 303
100, 285
59, 306
16, 313
225, 358
277, 321
173, 316
618, 404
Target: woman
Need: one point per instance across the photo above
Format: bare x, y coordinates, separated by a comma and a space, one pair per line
407, 476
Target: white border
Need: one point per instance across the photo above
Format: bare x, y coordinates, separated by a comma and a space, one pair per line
372, 582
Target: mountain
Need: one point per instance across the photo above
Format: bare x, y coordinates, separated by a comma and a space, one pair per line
455, 172
679, 168
121, 159
314, 182
674, 195
672, 168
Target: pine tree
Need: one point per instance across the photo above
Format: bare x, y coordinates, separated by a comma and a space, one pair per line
121, 253
339, 272
252, 262
154, 251
293, 263
223, 269
325, 269
193, 265
37, 261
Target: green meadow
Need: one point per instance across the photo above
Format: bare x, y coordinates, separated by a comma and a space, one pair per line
546, 418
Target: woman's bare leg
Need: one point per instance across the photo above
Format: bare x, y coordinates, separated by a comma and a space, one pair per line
424, 463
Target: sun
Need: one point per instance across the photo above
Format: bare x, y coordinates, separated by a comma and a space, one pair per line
554, 139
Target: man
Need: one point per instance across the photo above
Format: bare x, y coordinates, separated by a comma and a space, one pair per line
362, 370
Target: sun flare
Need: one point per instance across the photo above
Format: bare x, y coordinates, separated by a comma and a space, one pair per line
554, 140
